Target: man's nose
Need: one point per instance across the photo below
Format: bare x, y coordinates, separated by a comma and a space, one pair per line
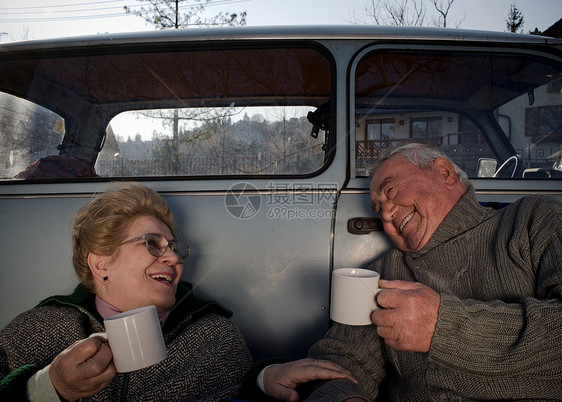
387, 211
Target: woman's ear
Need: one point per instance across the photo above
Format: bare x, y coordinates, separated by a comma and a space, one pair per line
447, 172
98, 267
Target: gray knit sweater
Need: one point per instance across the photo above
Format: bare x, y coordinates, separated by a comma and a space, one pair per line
499, 327
207, 356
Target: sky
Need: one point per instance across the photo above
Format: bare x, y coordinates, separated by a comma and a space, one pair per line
45, 19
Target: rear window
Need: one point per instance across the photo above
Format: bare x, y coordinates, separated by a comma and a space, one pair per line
194, 112
233, 140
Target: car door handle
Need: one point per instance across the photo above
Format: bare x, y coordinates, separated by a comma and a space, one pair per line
362, 226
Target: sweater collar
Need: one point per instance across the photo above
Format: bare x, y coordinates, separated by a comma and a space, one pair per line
186, 303
107, 310
465, 214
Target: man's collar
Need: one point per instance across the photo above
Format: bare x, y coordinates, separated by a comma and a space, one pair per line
465, 214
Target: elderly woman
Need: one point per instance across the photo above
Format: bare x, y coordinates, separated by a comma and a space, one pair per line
126, 255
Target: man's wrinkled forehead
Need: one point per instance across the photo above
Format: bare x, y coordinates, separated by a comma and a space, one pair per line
384, 175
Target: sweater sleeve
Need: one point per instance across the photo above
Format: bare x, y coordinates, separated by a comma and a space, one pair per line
512, 344
13, 386
359, 350
40, 388
31, 341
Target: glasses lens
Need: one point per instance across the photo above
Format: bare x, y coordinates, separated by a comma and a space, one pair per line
181, 249
156, 244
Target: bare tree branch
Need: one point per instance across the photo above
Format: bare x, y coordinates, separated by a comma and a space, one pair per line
393, 12
443, 8
408, 12
166, 14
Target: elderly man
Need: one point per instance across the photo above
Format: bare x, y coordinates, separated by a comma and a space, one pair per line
471, 300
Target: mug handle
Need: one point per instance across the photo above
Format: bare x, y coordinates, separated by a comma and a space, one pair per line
102, 335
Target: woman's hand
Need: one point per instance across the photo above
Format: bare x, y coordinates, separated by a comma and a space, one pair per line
281, 380
83, 369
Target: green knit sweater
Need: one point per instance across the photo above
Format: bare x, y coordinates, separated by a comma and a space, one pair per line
499, 327
207, 356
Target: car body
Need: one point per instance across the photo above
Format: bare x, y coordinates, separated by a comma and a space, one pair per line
260, 140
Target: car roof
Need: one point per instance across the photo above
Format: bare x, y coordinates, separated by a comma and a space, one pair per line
314, 32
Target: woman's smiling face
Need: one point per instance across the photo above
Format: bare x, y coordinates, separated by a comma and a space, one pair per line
136, 277
413, 202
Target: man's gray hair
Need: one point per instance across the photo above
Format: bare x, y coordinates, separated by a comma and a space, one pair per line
421, 155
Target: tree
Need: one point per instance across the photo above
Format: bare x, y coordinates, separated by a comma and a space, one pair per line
442, 7
402, 12
166, 14
514, 21
408, 12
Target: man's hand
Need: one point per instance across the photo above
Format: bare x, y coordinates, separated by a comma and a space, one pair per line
280, 381
83, 369
408, 315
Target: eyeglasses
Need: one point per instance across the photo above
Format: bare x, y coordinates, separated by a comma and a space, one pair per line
157, 245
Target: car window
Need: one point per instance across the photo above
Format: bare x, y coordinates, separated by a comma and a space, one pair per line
233, 140
496, 114
28, 133
179, 110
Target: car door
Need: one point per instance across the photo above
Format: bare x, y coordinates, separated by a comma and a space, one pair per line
494, 109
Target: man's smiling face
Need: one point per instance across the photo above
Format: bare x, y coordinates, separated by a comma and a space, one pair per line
413, 202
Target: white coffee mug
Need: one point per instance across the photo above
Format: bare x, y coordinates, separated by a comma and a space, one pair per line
353, 295
135, 339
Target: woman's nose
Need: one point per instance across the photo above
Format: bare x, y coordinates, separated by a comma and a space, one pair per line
170, 257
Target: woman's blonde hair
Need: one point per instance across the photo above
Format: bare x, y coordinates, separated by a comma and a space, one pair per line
102, 224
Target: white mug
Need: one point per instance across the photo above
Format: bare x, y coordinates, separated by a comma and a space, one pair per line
353, 295
135, 339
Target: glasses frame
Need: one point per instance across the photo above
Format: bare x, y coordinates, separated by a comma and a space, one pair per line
170, 244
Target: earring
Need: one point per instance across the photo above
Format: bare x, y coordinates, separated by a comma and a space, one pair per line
105, 279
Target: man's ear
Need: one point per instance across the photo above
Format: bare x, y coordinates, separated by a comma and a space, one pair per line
447, 172
98, 267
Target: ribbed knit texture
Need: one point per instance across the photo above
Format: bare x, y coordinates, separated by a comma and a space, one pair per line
207, 357
499, 328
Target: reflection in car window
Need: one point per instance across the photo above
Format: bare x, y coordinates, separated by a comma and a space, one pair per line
29, 133
495, 114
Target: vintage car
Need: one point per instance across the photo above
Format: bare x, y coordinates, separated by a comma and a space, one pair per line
260, 140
